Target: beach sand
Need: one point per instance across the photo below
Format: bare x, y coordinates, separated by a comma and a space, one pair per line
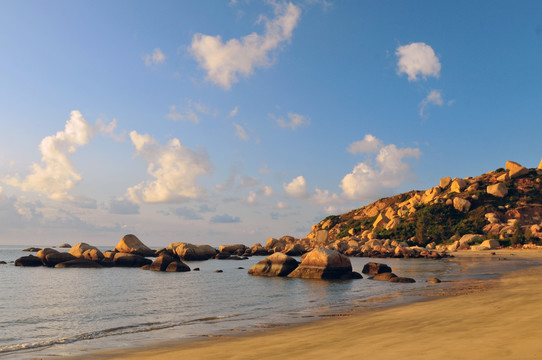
501, 321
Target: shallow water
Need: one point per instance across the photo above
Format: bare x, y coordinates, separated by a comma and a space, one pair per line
59, 312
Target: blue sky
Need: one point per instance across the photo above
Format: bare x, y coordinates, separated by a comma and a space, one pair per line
219, 122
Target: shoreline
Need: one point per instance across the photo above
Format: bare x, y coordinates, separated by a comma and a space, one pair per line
499, 320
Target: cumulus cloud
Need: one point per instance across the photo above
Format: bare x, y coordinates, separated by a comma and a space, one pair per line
240, 132
123, 207
368, 182
417, 59
297, 188
295, 121
251, 198
157, 57
225, 219
266, 190
174, 167
223, 62
57, 175
433, 98
323, 197
369, 144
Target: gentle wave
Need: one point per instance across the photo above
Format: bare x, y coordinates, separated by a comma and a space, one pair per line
121, 330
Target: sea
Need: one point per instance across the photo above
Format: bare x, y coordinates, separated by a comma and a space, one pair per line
50, 313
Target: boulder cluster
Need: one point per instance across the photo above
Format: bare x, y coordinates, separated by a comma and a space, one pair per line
320, 263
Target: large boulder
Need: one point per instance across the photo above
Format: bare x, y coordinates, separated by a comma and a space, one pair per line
387, 276
445, 181
539, 165
373, 268
458, 185
515, 170
177, 266
491, 244
322, 263
462, 205
294, 250
130, 244
44, 252
470, 239
236, 249
130, 260
161, 263
79, 263
190, 252
52, 259
86, 251
29, 260
258, 250
499, 190
278, 264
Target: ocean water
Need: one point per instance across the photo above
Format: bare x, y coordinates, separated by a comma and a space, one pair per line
47, 312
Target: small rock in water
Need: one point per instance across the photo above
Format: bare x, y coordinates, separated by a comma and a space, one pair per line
433, 281
196, 269
3, 263
240, 268
218, 271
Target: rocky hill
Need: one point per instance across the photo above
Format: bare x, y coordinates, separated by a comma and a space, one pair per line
502, 206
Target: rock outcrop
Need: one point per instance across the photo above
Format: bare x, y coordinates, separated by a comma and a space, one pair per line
79, 263
130, 260
277, 264
322, 263
130, 244
499, 190
29, 260
515, 170
373, 268
191, 252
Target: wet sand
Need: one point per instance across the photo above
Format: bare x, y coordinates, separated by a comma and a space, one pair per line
502, 320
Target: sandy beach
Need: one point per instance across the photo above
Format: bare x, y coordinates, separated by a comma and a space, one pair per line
500, 321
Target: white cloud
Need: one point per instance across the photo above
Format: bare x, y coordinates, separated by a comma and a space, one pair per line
157, 57
234, 112
251, 198
109, 130
297, 188
417, 59
240, 132
224, 61
367, 182
58, 175
369, 144
266, 190
323, 197
296, 120
174, 167
433, 98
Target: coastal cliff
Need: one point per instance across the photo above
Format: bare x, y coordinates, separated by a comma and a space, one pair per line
499, 208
